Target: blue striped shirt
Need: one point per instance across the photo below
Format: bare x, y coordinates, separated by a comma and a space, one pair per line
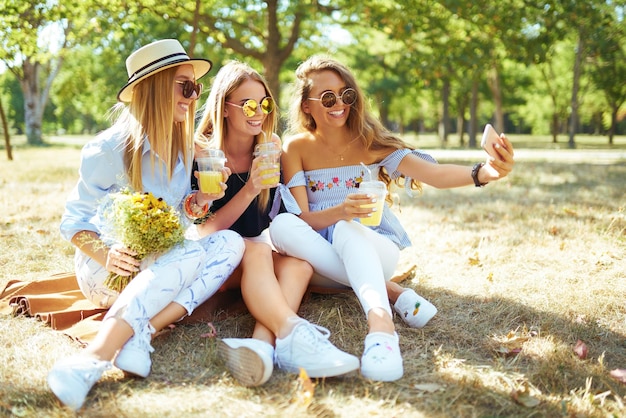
102, 171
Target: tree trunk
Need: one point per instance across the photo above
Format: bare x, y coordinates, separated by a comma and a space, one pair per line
473, 125
33, 112
35, 97
460, 125
383, 110
496, 92
614, 110
573, 121
444, 124
194, 29
274, 56
7, 137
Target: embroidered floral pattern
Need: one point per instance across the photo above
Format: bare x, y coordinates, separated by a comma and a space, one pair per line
320, 186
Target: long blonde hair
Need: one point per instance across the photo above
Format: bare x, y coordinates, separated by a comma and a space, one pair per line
212, 128
361, 122
149, 116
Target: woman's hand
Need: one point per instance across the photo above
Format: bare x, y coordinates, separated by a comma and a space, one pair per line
263, 174
497, 168
121, 260
208, 198
352, 206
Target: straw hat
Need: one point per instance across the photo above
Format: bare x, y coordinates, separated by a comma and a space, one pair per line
155, 57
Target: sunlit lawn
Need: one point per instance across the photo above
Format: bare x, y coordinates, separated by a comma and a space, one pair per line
519, 270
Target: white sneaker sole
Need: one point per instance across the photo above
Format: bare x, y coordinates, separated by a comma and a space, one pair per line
324, 371
244, 364
383, 375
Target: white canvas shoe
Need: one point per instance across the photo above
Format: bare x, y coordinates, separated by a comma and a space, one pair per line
414, 310
381, 358
72, 378
307, 347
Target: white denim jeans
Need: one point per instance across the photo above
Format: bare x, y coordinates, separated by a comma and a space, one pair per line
358, 257
189, 275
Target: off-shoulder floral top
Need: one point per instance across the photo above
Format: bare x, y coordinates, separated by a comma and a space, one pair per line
329, 187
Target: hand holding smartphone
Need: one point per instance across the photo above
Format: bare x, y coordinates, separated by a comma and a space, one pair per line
490, 138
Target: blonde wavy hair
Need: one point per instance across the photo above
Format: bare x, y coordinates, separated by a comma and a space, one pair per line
212, 128
361, 122
149, 116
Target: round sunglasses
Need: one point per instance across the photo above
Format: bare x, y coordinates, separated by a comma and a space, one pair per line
189, 87
329, 98
250, 106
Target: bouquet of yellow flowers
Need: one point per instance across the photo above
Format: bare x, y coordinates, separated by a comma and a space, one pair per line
143, 223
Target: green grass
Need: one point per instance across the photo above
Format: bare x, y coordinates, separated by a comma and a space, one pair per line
539, 255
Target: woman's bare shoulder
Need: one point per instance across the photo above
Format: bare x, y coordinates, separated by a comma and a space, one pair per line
298, 141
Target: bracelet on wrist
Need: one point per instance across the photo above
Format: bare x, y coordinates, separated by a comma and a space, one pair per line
192, 210
475, 171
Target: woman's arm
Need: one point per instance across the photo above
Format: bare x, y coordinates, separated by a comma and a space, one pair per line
117, 259
445, 176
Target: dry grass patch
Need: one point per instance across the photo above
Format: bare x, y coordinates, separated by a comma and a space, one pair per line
520, 271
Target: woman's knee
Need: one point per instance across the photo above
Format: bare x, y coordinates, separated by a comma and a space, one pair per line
283, 229
293, 266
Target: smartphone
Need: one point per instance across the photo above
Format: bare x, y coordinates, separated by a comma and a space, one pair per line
490, 138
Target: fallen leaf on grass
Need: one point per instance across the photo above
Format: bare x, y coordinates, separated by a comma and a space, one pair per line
619, 375
409, 273
510, 344
525, 396
429, 387
212, 331
474, 261
570, 212
580, 349
165, 330
305, 390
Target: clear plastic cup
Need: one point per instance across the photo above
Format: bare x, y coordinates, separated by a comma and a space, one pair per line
379, 190
210, 165
270, 162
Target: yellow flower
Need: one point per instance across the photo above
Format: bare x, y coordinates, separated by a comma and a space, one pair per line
145, 224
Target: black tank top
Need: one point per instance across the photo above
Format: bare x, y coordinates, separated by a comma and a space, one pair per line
252, 221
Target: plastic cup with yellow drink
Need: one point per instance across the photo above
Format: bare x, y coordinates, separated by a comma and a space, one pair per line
378, 190
210, 165
269, 162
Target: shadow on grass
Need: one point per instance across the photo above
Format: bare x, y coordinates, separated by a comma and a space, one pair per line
185, 361
462, 332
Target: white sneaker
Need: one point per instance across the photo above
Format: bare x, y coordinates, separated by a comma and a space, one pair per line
307, 347
249, 360
381, 359
414, 309
72, 378
134, 356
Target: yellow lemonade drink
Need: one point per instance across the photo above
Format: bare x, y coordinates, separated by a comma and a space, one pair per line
377, 216
377, 189
210, 182
275, 178
270, 162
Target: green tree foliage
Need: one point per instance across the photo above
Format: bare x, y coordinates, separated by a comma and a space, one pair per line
262, 31
423, 64
35, 38
608, 64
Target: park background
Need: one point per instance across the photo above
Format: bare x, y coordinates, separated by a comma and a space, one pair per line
448, 66
520, 270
